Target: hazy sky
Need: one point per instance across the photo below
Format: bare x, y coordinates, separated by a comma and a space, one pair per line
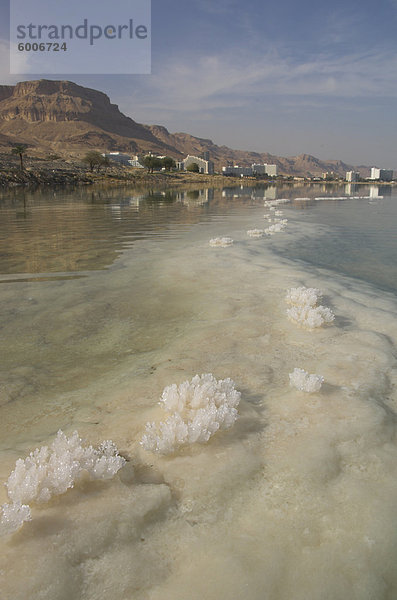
284, 77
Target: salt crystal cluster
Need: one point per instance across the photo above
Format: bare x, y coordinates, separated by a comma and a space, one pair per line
305, 311
50, 471
199, 408
304, 382
221, 242
13, 516
278, 226
255, 232
301, 296
310, 317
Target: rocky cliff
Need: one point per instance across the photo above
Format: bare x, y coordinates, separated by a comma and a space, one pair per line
69, 118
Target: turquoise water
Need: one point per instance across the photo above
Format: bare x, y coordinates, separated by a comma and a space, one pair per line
106, 297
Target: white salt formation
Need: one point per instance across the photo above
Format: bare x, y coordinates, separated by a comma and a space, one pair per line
310, 316
303, 296
13, 517
255, 232
273, 203
346, 197
221, 242
304, 310
199, 408
304, 382
275, 228
50, 471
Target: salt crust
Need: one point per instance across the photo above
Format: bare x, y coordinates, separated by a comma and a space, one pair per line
347, 197
304, 382
304, 310
199, 408
255, 232
50, 471
221, 242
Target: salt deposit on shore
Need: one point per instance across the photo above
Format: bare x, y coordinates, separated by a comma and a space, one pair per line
296, 500
221, 242
305, 382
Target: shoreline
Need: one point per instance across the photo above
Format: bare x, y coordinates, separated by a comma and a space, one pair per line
47, 173
57, 173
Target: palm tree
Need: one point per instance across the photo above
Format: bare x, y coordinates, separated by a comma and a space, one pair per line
19, 149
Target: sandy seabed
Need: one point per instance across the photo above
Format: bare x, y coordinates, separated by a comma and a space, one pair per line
298, 500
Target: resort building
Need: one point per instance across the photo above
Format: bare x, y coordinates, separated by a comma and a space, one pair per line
118, 157
352, 176
271, 170
237, 171
134, 162
254, 169
381, 174
205, 166
330, 175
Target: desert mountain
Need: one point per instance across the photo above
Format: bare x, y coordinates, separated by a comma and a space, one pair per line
69, 119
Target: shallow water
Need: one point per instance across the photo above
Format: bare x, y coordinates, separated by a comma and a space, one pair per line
106, 298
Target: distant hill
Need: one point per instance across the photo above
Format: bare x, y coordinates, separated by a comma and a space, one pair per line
63, 117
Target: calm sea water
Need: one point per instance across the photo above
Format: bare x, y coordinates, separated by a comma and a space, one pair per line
61, 234
357, 237
108, 296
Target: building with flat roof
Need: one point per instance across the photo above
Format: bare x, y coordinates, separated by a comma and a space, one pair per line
271, 170
265, 169
237, 171
134, 162
352, 176
118, 157
330, 175
381, 174
254, 169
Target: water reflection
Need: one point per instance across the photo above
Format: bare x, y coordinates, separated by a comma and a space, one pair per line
48, 232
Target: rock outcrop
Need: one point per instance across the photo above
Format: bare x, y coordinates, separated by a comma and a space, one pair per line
70, 119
